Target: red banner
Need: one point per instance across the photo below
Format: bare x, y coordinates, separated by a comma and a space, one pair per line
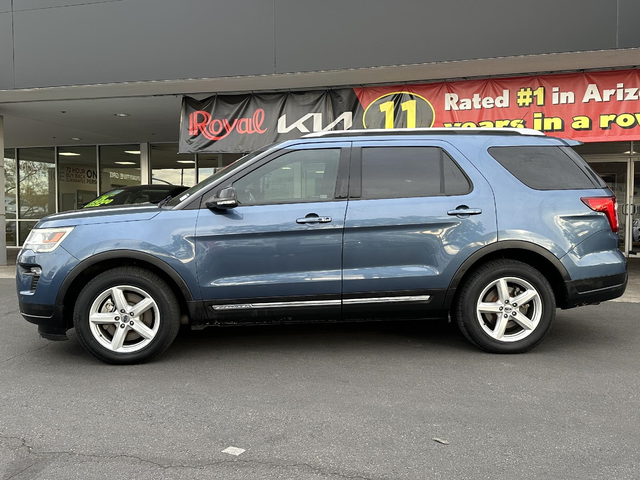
591, 107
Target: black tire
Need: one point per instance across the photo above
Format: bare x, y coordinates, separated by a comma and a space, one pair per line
469, 321
155, 287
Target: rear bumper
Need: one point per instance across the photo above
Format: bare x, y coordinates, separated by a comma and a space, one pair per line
595, 290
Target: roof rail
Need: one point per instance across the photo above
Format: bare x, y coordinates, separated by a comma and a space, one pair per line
427, 131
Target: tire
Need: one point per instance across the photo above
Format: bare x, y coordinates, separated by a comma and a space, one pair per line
116, 337
485, 313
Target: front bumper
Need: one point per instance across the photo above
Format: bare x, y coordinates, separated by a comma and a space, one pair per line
48, 318
37, 294
595, 290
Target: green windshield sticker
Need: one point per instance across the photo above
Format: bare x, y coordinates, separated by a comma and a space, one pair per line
98, 202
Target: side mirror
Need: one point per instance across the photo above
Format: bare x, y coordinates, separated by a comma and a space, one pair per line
225, 199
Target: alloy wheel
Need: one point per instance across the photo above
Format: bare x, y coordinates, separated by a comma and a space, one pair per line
124, 319
509, 309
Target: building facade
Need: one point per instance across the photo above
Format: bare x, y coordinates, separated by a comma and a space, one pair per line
91, 90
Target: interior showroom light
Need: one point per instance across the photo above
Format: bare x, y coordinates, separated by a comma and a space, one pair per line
68, 154
133, 152
126, 163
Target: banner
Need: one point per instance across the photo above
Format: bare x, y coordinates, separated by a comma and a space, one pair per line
590, 107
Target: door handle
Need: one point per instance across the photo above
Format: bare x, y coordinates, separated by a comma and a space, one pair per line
463, 210
313, 218
629, 208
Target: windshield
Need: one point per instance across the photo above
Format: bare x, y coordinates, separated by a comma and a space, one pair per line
223, 171
105, 199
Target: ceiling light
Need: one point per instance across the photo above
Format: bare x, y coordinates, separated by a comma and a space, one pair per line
629, 152
75, 138
68, 154
133, 152
122, 115
126, 163
186, 161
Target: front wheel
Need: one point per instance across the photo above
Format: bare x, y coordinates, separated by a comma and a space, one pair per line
126, 315
505, 306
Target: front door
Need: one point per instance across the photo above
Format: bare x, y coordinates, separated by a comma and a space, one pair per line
415, 213
279, 253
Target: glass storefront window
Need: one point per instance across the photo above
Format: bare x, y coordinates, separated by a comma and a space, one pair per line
37, 183
119, 166
169, 167
210, 163
10, 233
24, 229
77, 177
608, 148
10, 196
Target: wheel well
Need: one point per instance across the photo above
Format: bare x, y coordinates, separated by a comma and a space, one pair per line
537, 261
97, 268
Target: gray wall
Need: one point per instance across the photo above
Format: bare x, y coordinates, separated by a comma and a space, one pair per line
69, 42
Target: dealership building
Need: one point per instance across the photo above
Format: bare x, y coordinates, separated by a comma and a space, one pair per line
99, 94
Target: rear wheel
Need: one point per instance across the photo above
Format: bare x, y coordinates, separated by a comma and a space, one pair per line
126, 315
505, 306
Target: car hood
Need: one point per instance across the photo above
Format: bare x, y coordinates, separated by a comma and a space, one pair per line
100, 215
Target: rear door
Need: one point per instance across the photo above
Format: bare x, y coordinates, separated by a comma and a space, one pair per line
416, 211
279, 253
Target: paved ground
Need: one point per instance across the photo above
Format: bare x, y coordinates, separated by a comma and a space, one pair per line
333, 401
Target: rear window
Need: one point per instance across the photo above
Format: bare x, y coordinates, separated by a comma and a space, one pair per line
547, 168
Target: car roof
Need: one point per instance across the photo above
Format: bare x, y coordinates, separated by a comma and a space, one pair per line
425, 131
454, 135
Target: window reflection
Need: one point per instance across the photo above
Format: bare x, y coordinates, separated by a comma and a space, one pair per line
10, 197
25, 228
210, 163
77, 177
36, 174
10, 204
169, 167
119, 166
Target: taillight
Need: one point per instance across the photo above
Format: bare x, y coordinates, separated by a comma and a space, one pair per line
606, 205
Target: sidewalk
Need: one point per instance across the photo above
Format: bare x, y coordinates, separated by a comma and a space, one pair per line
8, 272
631, 295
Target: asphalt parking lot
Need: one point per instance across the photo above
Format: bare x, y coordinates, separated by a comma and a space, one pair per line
361, 401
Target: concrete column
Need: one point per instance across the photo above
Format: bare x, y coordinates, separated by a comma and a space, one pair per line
3, 236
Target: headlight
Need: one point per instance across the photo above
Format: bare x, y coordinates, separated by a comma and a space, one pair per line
46, 239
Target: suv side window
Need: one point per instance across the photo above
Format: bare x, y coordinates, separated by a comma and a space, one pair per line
297, 176
547, 167
400, 172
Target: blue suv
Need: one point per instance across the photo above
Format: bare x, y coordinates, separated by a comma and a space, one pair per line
496, 228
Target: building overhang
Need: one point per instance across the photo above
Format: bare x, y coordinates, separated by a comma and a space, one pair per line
54, 115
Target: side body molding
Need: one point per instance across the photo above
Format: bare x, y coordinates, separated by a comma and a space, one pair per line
126, 254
